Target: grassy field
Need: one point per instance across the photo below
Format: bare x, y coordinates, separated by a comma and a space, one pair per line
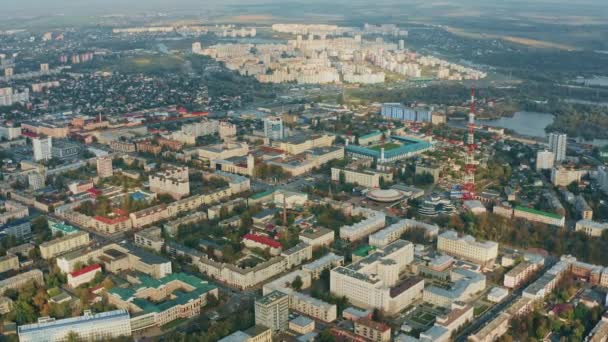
423, 318
387, 147
534, 43
149, 64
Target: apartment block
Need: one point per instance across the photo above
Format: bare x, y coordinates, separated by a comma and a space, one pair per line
366, 178
55, 247
21, 279
373, 331
374, 220
173, 181
9, 262
374, 281
591, 228
272, 311
465, 247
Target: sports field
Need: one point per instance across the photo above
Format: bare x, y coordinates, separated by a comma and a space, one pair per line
387, 147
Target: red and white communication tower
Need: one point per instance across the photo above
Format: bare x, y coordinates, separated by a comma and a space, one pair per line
468, 186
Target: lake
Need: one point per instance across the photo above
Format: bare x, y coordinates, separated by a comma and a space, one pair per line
530, 124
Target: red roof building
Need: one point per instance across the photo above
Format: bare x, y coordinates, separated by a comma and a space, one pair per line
83, 276
264, 240
85, 270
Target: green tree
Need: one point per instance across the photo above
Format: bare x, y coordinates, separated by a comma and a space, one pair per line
23, 312
326, 336
297, 283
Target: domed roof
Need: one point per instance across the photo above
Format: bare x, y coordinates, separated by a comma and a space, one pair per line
388, 195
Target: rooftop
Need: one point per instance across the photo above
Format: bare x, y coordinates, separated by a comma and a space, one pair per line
538, 212
179, 297
263, 240
302, 321
87, 269
271, 298
69, 322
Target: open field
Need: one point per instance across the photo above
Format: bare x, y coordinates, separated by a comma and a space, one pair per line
535, 43
144, 64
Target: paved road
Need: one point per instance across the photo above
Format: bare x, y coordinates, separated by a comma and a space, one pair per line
489, 315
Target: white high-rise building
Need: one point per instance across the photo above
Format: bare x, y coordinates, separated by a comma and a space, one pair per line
374, 281
273, 128
602, 178
42, 148
104, 167
557, 144
35, 181
197, 47
545, 160
272, 311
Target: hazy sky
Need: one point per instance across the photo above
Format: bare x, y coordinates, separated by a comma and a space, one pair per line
95, 7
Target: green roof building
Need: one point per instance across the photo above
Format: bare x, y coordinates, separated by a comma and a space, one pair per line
156, 302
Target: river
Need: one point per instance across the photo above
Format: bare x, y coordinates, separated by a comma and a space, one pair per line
530, 124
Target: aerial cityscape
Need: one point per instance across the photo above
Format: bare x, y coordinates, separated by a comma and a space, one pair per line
264, 170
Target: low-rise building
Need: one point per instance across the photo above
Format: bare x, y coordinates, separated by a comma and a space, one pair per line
64, 149
373, 221
366, 178
302, 143
520, 274
539, 216
373, 331
89, 327
464, 284
262, 242
174, 182
317, 237
21, 279
591, 228
84, 275
326, 262
301, 302
423, 169
149, 216
160, 301
257, 333
13, 210
9, 262
302, 325
172, 227
150, 238
117, 258
459, 315
497, 294
296, 255
393, 232
562, 176
242, 278
55, 247
19, 228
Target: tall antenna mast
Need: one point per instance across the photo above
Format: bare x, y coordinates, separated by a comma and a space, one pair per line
469, 177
